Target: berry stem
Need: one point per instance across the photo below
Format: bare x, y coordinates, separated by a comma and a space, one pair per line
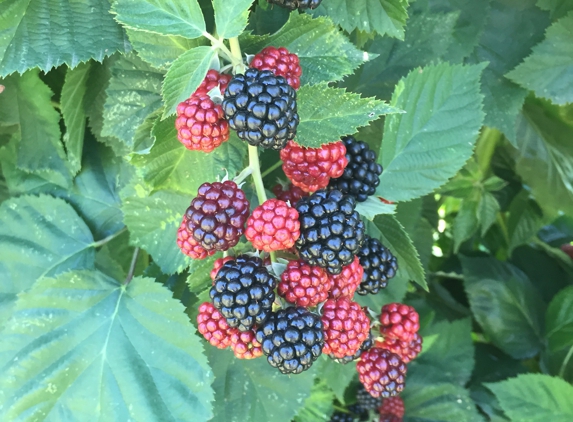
565, 362
271, 169
237, 56
256, 173
220, 45
105, 240
132, 266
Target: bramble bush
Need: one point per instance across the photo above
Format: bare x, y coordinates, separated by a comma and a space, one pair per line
415, 265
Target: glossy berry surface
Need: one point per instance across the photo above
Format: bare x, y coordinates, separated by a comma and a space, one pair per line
244, 344
407, 350
381, 372
292, 339
243, 292
281, 62
346, 283
273, 226
311, 168
290, 193
379, 266
217, 215
188, 245
218, 264
297, 4
261, 108
213, 326
346, 327
399, 321
304, 285
331, 231
361, 176
393, 406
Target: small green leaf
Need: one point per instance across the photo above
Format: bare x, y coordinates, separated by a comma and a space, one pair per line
525, 220
327, 113
535, 398
428, 144
73, 112
47, 33
466, 222
392, 235
505, 304
164, 17
559, 321
373, 206
487, 211
184, 76
549, 70
231, 17
85, 338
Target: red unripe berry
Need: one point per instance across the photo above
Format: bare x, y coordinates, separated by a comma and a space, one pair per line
399, 321
188, 245
311, 168
381, 372
407, 350
290, 193
281, 62
346, 283
273, 226
245, 345
392, 406
346, 327
303, 284
212, 79
213, 326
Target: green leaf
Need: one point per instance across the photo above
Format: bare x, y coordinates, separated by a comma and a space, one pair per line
466, 222
381, 16
336, 375
153, 222
373, 206
231, 17
39, 236
525, 220
47, 33
439, 402
543, 157
559, 321
84, 338
170, 165
487, 211
132, 94
428, 144
318, 406
449, 356
184, 76
160, 51
392, 235
252, 390
535, 398
505, 304
327, 113
502, 98
73, 112
394, 292
31, 100
164, 17
549, 70
558, 8
325, 53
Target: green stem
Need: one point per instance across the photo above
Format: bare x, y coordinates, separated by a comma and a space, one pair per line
271, 169
237, 56
485, 147
132, 266
218, 44
256, 173
102, 242
565, 362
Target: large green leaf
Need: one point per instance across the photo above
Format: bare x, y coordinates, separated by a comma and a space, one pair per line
39, 236
252, 390
336, 375
428, 144
557, 8
231, 17
132, 94
506, 305
327, 113
185, 76
381, 16
125, 352
318, 406
325, 53
153, 222
535, 398
47, 33
559, 321
164, 17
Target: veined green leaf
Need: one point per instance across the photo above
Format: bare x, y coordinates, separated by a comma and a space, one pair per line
231, 17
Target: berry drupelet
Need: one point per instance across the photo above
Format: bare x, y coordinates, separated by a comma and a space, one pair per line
379, 266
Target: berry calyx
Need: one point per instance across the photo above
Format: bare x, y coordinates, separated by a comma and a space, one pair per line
311, 168
245, 345
292, 339
281, 62
273, 226
346, 283
243, 292
379, 266
381, 372
188, 245
346, 327
399, 321
393, 406
289, 193
213, 326
261, 108
304, 285
217, 215
331, 231
407, 350
218, 264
